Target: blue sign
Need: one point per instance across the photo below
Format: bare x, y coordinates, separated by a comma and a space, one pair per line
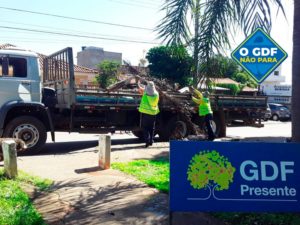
259, 55
233, 176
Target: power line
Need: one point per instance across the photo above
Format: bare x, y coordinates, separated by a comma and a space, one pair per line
75, 35
74, 18
133, 4
64, 29
9, 39
145, 2
151, 2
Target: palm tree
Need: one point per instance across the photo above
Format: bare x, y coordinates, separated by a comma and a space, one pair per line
296, 75
213, 22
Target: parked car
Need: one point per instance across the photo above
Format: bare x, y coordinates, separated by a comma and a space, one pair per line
267, 114
279, 112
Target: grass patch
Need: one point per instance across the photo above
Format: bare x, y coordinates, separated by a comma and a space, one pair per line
155, 173
15, 205
259, 218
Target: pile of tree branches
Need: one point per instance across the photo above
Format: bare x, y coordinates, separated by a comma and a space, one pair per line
164, 87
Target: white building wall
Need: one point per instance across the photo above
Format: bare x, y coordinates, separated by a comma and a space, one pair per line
90, 57
273, 84
275, 90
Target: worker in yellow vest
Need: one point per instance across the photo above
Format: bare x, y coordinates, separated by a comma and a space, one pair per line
148, 109
204, 111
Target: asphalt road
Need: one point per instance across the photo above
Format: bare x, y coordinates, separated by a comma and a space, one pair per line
68, 142
73, 153
273, 131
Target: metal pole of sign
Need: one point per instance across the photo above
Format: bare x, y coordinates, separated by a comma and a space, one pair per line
170, 217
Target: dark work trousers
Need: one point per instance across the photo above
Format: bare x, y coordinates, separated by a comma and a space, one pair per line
207, 119
148, 125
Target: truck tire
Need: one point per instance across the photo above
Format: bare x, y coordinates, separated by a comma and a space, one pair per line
139, 134
175, 129
215, 125
29, 129
275, 117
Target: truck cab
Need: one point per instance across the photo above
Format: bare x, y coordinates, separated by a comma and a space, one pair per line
19, 76
23, 116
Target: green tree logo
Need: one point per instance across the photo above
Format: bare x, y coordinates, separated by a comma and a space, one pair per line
209, 169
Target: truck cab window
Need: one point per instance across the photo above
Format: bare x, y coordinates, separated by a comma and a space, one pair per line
3, 66
13, 67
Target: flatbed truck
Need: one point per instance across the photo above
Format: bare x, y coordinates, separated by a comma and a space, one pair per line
34, 102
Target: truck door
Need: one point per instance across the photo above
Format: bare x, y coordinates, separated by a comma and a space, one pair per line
15, 83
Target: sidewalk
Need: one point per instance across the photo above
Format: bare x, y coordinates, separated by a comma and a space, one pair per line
102, 197
83, 194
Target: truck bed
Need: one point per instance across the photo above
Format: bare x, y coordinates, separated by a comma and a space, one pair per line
59, 75
125, 97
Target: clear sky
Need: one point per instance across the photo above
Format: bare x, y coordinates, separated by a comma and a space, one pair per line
144, 14
139, 13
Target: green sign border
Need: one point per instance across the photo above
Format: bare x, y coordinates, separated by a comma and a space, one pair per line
272, 69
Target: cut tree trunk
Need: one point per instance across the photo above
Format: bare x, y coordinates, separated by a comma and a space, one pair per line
296, 75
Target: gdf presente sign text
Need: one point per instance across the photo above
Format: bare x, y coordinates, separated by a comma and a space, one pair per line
252, 171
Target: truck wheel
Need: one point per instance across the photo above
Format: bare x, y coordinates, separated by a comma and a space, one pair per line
29, 129
215, 125
138, 133
175, 129
275, 117
178, 129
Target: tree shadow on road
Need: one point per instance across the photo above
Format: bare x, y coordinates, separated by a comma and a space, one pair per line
71, 146
85, 202
125, 201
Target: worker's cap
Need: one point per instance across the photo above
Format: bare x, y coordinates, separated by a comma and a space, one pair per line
150, 83
205, 93
150, 88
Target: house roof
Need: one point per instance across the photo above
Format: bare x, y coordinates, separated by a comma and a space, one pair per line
6, 46
224, 81
78, 69
249, 89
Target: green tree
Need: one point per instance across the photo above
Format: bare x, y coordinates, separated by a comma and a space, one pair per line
213, 22
241, 77
171, 62
210, 169
244, 78
234, 88
108, 71
221, 66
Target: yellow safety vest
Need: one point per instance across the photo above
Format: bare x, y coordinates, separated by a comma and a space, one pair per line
149, 104
204, 107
